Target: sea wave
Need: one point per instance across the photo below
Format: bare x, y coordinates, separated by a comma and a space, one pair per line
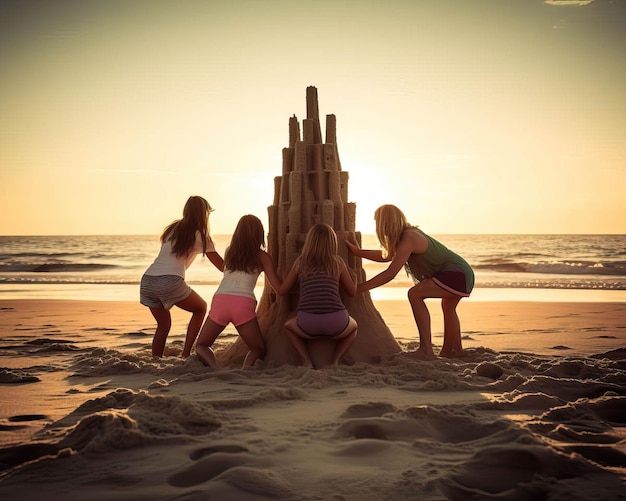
572, 267
499, 261
534, 283
86, 281
55, 267
617, 285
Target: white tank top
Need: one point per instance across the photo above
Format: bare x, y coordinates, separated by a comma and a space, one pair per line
167, 263
238, 283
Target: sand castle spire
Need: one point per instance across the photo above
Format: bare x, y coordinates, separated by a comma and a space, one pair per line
313, 188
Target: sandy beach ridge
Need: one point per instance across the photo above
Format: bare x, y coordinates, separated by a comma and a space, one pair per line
534, 411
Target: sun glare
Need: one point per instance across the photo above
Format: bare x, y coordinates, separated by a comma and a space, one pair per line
368, 188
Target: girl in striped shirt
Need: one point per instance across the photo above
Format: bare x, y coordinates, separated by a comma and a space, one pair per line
321, 313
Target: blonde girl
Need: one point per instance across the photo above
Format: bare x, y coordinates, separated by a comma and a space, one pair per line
163, 283
437, 271
234, 300
321, 313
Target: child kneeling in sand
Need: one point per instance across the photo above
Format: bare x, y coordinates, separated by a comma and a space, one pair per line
321, 313
234, 301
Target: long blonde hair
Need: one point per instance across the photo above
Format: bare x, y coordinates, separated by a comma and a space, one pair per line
320, 253
390, 224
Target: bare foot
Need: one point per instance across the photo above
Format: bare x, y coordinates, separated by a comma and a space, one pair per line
452, 354
207, 363
423, 354
308, 364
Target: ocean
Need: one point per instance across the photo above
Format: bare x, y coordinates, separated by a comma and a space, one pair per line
109, 267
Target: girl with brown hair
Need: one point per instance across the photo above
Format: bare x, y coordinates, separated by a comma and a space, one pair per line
163, 283
234, 301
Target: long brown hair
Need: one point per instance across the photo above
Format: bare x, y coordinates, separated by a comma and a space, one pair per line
319, 253
243, 252
182, 232
390, 224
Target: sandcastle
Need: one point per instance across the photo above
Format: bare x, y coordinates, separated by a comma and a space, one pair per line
313, 188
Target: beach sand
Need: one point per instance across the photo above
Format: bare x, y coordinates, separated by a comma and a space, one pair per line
535, 410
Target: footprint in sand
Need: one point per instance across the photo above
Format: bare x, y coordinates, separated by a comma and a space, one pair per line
371, 409
14, 456
237, 474
23, 418
27, 417
217, 459
206, 451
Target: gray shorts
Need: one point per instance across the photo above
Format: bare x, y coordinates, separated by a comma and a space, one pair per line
163, 291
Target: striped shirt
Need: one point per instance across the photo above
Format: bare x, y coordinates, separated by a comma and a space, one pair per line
319, 293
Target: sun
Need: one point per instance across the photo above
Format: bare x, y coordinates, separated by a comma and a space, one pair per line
368, 187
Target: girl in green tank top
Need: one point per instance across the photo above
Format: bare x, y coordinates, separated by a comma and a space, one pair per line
437, 272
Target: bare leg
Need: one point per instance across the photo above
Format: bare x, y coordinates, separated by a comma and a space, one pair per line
346, 338
297, 338
208, 335
452, 327
452, 346
164, 323
250, 332
422, 320
197, 306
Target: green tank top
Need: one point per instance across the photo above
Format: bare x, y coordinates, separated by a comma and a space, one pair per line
437, 258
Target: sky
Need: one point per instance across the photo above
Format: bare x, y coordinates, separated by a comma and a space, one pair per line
472, 116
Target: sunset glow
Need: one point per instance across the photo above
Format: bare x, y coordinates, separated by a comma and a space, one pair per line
473, 116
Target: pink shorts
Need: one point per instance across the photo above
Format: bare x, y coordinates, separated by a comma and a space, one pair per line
228, 308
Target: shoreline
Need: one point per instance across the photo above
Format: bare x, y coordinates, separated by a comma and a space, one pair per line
130, 293
567, 328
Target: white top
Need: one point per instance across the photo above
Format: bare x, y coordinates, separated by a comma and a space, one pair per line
238, 283
167, 263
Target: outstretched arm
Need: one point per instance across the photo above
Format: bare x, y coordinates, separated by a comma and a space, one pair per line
383, 277
372, 255
216, 259
347, 281
409, 243
288, 282
270, 270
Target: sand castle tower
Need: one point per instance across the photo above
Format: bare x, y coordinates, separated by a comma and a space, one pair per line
313, 189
